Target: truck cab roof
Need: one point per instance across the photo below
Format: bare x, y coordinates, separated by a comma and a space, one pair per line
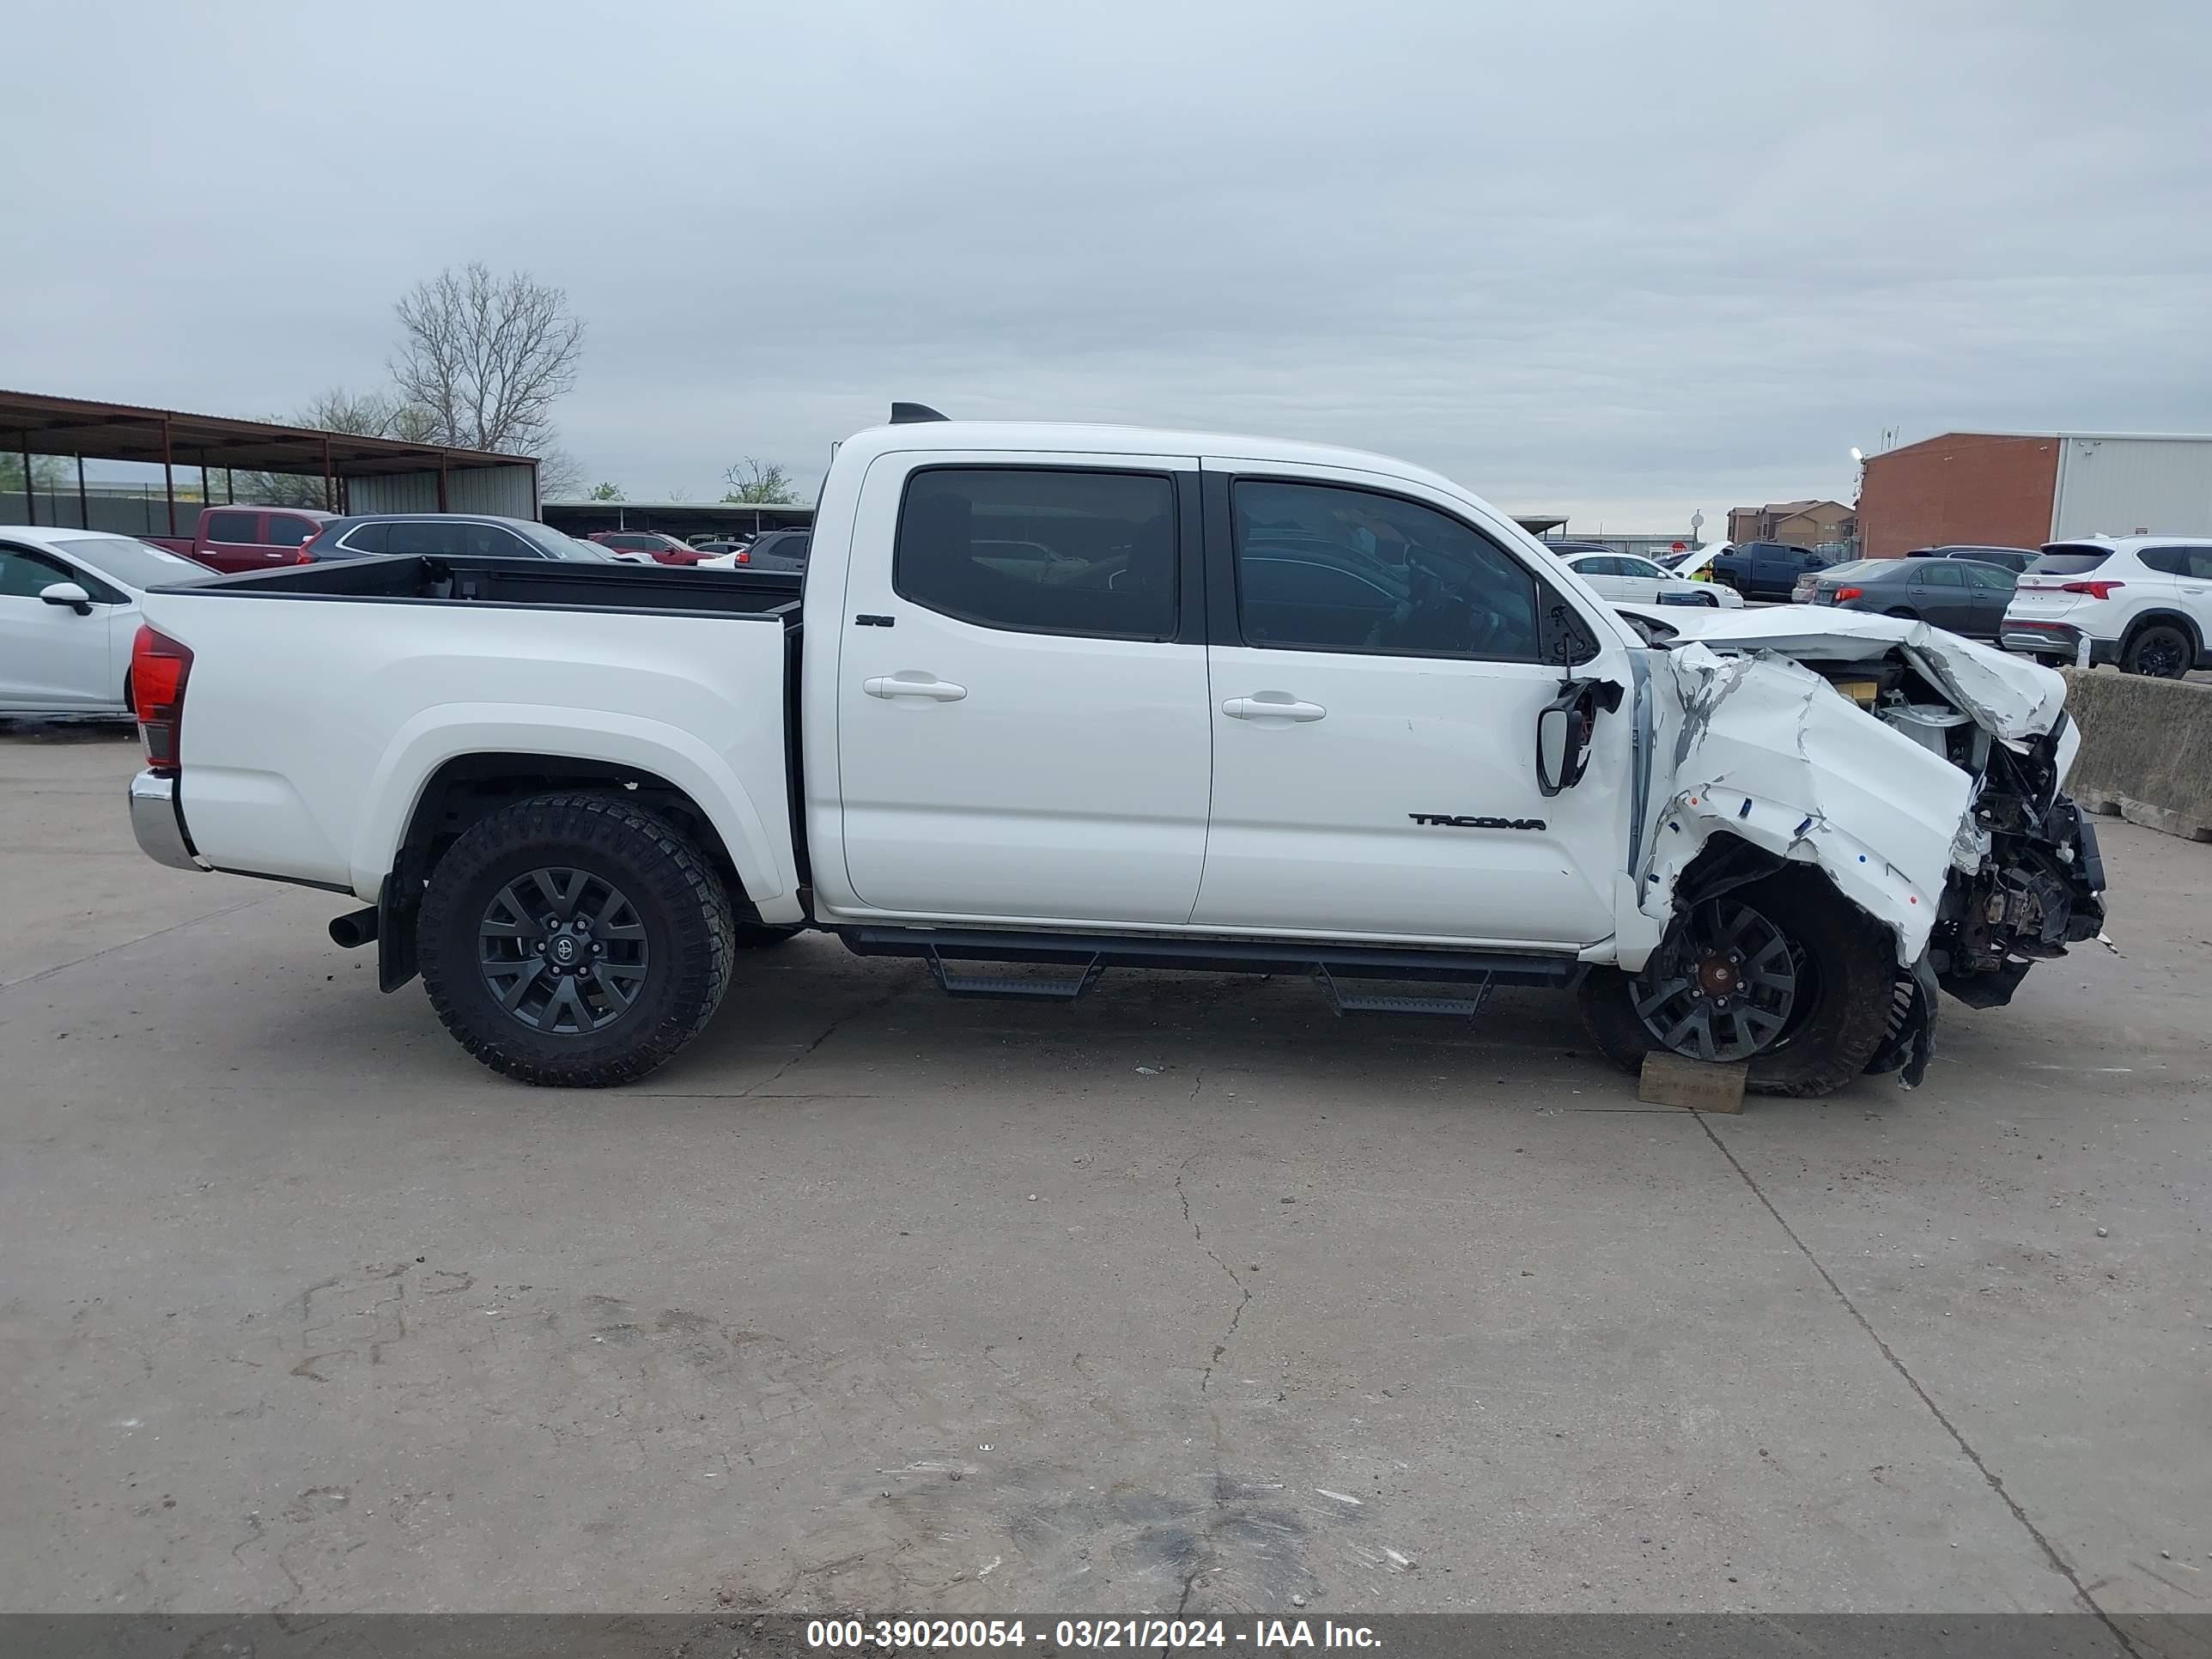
1063, 437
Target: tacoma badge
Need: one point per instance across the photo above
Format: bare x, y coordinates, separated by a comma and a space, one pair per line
1461, 821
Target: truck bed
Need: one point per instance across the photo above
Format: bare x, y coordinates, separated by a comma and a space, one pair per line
312, 727
550, 583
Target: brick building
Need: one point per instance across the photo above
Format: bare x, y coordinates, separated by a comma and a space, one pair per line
2023, 489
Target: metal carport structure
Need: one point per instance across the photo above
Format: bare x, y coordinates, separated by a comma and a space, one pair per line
359, 474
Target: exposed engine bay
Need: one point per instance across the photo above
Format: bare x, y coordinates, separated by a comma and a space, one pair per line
1922, 772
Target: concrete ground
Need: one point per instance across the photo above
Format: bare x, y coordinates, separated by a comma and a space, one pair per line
1187, 1296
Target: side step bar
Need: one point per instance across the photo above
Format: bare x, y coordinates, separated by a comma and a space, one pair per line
1342, 1002
1089, 955
1013, 989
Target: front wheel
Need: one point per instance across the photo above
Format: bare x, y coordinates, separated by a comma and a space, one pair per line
576, 940
1783, 973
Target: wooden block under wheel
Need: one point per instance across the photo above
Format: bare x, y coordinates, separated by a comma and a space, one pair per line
1702, 1086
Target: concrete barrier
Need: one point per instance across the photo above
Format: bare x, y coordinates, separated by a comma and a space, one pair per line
2146, 749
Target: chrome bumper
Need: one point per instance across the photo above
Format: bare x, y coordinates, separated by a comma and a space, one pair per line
159, 822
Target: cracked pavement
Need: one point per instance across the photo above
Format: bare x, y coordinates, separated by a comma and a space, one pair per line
879, 1300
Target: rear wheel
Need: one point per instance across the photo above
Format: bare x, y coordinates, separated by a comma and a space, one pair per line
1783, 973
574, 940
2162, 651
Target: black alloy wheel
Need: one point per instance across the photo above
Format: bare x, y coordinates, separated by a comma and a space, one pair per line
563, 950
1725, 991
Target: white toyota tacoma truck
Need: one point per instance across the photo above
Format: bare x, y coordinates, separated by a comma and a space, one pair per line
1084, 697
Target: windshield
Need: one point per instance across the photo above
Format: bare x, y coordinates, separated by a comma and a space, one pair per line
2068, 561
130, 562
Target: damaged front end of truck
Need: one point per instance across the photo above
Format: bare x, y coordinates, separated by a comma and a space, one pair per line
1921, 773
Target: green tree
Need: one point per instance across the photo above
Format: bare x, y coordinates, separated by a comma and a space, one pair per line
47, 472
606, 492
757, 483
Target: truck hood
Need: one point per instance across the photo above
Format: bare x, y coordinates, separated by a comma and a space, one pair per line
2013, 698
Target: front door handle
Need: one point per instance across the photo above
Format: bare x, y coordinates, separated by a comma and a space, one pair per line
914, 683
1273, 706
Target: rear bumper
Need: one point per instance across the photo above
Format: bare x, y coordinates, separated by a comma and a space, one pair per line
158, 821
2055, 638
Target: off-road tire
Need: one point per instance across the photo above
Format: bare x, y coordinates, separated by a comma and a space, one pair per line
677, 896
1856, 971
2132, 656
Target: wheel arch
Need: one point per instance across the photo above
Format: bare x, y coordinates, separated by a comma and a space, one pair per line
464, 789
2172, 618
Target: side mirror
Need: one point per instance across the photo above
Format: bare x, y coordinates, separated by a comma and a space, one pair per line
1563, 728
1555, 738
68, 593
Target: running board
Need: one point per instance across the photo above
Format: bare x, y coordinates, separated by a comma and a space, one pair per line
1011, 988
1342, 1002
1089, 955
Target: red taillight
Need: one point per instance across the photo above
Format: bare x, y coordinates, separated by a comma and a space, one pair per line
2094, 590
741, 556
159, 668
305, 557
1843, 594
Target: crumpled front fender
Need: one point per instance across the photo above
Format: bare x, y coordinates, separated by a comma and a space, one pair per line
1767, 750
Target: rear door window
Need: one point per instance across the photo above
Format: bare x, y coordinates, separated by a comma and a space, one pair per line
1984, 575
235, 529
285, 531
1939, 573
1042, 550
421, 536
2194, 563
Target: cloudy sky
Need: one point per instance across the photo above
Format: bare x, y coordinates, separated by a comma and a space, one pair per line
1616, 258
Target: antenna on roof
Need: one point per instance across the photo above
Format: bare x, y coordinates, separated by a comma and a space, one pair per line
907, 414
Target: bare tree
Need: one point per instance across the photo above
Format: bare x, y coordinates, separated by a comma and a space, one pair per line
756, 483
365, 413
487, 357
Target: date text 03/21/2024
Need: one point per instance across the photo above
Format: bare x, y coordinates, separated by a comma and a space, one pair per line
1084, 1634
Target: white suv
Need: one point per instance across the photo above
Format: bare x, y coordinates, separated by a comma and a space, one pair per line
2144, 602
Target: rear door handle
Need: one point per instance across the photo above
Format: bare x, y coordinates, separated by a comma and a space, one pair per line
914, 683
1273, 706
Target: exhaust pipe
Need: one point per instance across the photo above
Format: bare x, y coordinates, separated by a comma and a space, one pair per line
355, 930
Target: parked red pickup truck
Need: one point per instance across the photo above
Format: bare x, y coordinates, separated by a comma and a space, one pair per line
247, 538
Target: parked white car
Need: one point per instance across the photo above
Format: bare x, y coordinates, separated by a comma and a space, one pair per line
2144, 602
69, 610
1626, 579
